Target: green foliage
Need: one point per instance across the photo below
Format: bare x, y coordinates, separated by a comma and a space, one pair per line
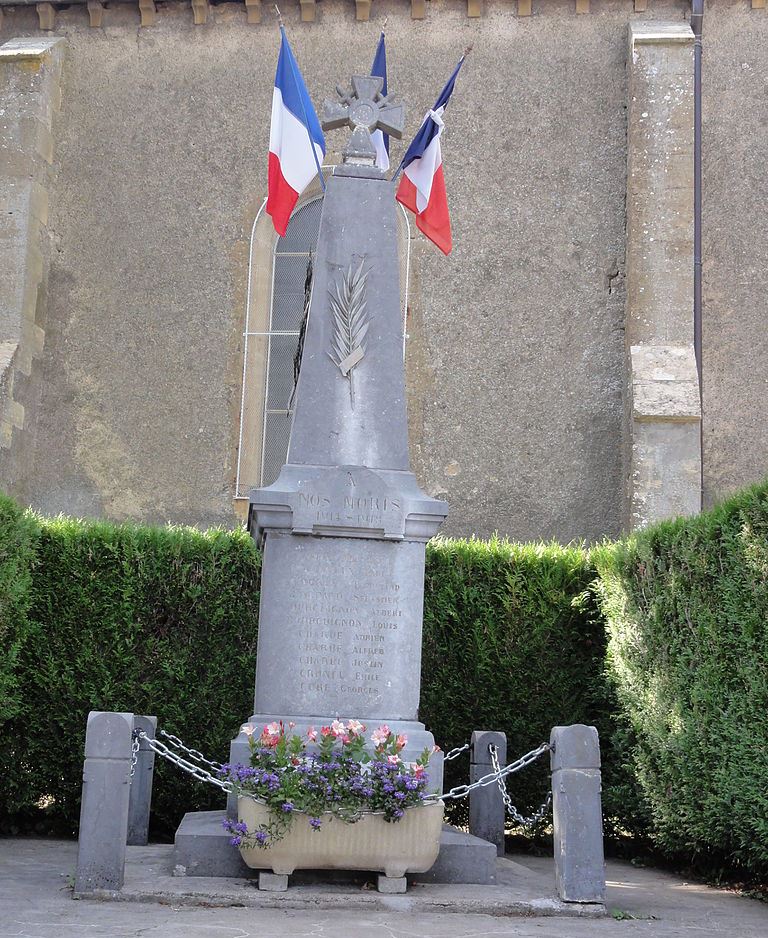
18, 541
164, 621
146, 620
512, 642
687, 610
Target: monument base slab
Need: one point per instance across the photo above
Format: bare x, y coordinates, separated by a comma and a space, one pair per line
202, 848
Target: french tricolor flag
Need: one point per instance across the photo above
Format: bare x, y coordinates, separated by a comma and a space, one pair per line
296, 142
422, 188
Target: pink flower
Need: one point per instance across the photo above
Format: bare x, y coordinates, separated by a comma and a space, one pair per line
326, 731
355, 727
380, 736
344, 739
402, 739
312, 734
436, 748
291, 725
272, 729
418, 770
394, 760
248, 728
338, 728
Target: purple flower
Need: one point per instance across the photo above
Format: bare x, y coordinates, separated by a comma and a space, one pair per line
261, 837
235, 841
287, 807
315, 823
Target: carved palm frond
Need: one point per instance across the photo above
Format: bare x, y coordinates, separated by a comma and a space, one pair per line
350, 319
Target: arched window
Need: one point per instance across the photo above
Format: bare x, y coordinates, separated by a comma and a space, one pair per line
274, 311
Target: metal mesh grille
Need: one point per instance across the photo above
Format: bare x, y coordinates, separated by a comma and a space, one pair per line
282, 349
277, 429
303, 229
288, 291
290, 272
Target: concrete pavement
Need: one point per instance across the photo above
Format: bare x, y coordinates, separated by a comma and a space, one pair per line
35, 902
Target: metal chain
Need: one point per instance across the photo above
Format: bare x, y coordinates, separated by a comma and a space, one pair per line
511, 809
196, 771
455, 752
195, 754
135, 745
461, 791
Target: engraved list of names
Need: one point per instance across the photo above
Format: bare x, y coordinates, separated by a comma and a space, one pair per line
350, 620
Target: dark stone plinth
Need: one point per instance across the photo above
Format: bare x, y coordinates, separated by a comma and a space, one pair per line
463, 858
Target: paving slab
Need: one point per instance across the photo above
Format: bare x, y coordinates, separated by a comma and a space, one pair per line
35, 902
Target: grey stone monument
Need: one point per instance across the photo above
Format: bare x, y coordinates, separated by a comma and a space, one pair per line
344, 526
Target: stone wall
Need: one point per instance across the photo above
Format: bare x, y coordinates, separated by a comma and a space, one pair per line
516, 353
30, 73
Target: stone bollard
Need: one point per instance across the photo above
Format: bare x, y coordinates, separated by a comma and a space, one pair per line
104, 808
577, 817
486, 805
141, 785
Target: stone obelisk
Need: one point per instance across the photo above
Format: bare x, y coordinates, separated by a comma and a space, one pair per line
344, 526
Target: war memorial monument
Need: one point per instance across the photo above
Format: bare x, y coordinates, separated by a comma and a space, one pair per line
343, 531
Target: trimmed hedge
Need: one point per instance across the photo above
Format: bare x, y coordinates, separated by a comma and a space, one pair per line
513, 641
163, 621
687, 610
516, 637
122, 617
18, 536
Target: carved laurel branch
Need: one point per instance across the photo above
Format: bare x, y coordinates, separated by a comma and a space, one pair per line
350, 322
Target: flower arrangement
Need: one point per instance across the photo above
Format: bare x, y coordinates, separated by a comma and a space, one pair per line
325, 772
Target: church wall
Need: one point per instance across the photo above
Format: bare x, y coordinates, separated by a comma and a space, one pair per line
516, 341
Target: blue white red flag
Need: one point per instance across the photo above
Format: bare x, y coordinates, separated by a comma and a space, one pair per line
296, 142
422, 187
379, 138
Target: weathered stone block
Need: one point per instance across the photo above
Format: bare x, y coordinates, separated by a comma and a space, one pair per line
104, 810
487, 813
273, 882
141, 785
577, 819
392, 884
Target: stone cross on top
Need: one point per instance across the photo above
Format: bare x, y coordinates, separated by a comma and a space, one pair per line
365, 109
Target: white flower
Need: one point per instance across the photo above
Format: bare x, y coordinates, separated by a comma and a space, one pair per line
381, 735
248, 728
338, 728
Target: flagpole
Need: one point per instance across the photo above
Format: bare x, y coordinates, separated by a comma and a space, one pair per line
303, 109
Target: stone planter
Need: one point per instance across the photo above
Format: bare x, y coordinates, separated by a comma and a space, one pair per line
409, 845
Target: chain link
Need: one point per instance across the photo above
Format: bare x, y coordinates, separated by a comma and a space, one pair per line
511, 809
135, 746
461, 791
455, 752
197, 771
195, 754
